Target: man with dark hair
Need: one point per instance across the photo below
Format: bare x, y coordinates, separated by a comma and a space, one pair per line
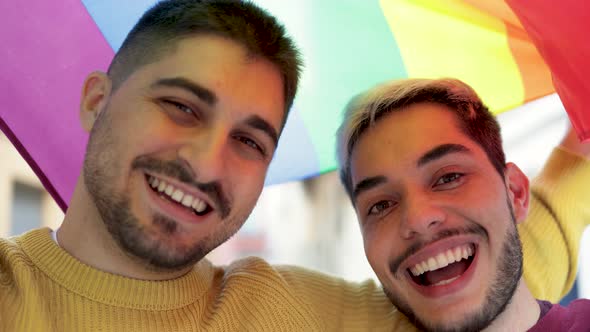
182, 130
423, 164
161, 28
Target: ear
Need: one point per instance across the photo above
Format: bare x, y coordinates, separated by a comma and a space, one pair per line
517, 185
95, 95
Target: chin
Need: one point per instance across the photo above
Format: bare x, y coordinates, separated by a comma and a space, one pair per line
455, 318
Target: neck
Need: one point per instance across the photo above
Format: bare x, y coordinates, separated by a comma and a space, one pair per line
521, 313
83, 235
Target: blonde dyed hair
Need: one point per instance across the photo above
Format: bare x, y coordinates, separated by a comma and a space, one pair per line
365, 110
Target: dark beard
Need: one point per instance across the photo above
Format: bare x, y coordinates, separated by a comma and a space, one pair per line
136, 241
145, 245
498, 296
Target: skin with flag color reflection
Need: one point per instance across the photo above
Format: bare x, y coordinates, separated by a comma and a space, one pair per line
438, 216
443, 203
172, 121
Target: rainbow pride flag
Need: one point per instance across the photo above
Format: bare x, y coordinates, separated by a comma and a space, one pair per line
349, 45
559, 30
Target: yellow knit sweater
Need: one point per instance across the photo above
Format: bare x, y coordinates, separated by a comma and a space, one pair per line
43, 288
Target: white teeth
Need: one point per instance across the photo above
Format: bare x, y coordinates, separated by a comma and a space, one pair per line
458, 254
418, 269
444, 282
450, 256
443, 259
424, 266
431, 264
169, 190
187, 200
196, 203
200, 206
177, 195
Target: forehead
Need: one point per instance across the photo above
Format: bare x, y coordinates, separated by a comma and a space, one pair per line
403, 136
225, 67
202, 55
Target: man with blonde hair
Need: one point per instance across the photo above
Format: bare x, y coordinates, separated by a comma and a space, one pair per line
438, 206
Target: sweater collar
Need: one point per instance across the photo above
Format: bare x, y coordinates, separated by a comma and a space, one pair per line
112, 289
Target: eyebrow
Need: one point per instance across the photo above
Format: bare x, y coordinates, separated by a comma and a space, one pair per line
430, 156
201, 92
259, 123
441, 151
367, 184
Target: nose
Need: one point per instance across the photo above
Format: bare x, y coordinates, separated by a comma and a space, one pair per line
420, 216
206, 155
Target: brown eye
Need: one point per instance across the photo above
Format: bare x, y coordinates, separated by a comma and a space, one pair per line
449, 180
181, 107
180, 113
250, 143
380, 207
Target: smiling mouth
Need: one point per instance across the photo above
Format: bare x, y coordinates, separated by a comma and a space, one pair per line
176, 196
443, 268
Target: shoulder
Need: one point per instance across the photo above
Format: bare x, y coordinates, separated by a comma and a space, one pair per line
336, 303
288, 274
574, 317
12, 254
311, 287
15, 267
344, 304
254, 283
15, 254
295, 278
257, 276
301, 277
580, 307
250, 268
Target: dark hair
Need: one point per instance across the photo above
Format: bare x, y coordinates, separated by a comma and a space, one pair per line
474, 118
161, 27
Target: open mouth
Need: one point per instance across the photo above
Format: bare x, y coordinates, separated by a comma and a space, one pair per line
443, 268
176, 196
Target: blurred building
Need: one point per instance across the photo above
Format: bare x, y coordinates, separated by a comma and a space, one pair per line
24, 203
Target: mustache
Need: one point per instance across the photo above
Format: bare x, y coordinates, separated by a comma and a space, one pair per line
418, 245
178, 170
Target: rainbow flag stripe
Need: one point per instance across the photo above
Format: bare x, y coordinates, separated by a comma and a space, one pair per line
348, 46
484, 46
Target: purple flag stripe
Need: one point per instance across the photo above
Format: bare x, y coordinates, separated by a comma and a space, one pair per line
48, 47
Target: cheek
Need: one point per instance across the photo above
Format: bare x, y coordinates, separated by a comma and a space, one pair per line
148, 129
253, 181
485, 194
158, 137
246, 179
490, 207
376, 250
153, 142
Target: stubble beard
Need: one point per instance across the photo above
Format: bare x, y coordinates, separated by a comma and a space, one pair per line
153, 251
498, 296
